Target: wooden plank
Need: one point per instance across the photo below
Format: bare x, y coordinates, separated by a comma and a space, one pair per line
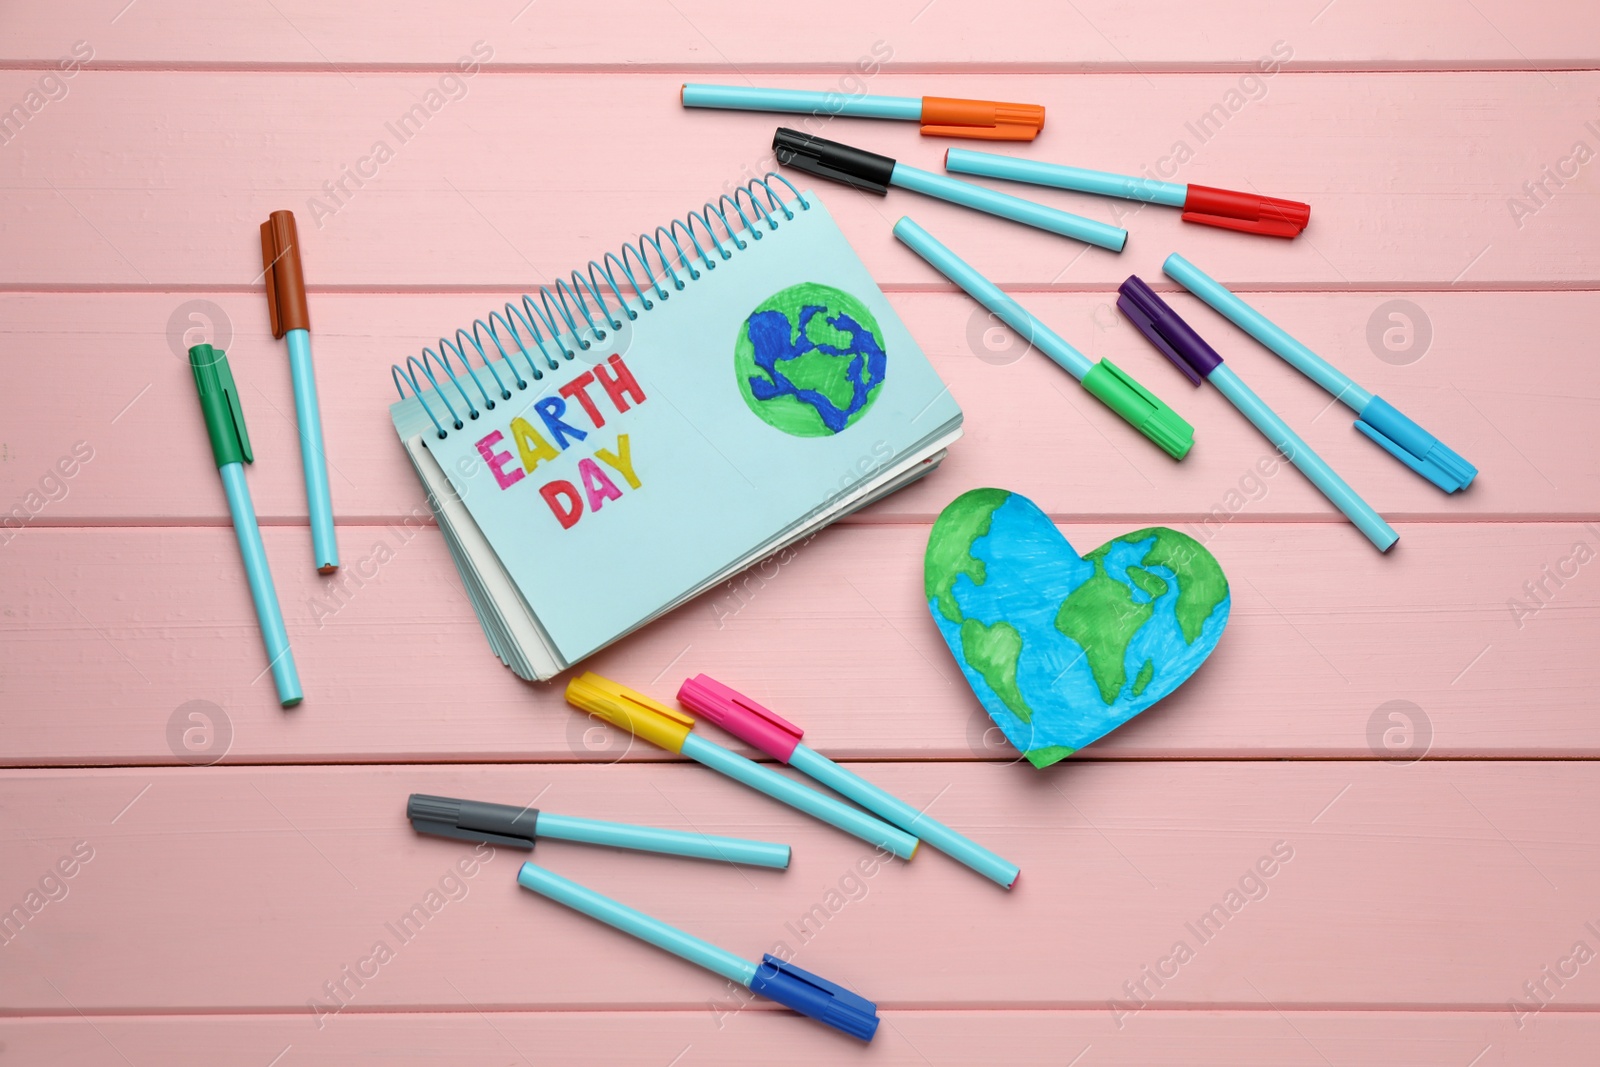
109, 633
468, 197
1260, 1038
113, 380
280, 878
714, 35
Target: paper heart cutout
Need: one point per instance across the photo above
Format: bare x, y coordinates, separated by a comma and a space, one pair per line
1063, 649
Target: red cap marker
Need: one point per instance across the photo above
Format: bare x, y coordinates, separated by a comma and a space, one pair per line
1228, 210
1245, 212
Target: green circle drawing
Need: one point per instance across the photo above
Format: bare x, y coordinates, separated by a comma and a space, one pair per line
810, 360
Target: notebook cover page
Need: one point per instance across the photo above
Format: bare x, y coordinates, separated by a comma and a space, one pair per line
728, 411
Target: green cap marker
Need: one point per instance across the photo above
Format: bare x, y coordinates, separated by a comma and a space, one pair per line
1142, 409
230, 446
219, 403
1110, 384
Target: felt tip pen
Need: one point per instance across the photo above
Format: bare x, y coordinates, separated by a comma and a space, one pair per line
660, 725
772, 978
940, 116
230, 447
1223, 208
1110, 384
286, 307
780, 739
1198, 361
1375, 417
873, 173
514, 827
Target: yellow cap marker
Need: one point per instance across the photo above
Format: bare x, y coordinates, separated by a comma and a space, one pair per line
643, 717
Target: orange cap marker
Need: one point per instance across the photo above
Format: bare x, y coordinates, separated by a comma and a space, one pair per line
984, 120
940, 116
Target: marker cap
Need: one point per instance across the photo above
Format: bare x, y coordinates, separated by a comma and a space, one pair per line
219, 404
984, 120
1245, 212
1172, 337
286, 284
1415, 447
741, 716
630, 710
817, 997
1141, 408
854, 167
471, 820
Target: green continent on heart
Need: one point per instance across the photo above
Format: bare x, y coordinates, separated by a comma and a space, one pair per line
1043, 757
1146, 672
1201, 583
1150, 584
950, 548
993, 652
1102, 617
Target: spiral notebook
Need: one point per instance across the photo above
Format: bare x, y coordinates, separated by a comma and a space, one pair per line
646, 428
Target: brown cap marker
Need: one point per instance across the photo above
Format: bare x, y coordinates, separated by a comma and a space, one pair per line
286, 307
286, 285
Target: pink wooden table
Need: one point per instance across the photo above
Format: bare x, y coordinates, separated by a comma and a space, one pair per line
1421, 747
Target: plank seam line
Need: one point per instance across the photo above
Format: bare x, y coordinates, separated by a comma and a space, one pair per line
1105, 519
978, 69
910, 1007
513, 290
245, 765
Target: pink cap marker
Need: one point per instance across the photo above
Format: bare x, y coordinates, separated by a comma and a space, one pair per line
740, 716
780, 739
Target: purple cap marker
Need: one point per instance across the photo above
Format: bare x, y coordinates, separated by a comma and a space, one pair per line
1174, 338
1197, 360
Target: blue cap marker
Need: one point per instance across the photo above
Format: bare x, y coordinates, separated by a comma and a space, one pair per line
772, 978
1198, 361
1377, 418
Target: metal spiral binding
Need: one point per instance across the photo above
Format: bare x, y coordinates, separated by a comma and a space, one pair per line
556, 306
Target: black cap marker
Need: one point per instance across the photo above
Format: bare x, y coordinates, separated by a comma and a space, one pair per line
505, 824
872, 173
855, 167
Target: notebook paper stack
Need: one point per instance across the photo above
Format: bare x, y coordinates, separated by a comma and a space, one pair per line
602, 452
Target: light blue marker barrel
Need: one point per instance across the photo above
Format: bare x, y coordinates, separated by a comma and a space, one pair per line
1288, 442
804, 101
313, 460
833, 812
268, 614
1257, 325
992, 297
962, 849
670, 842
629, 921
1009, 207
1058, 176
